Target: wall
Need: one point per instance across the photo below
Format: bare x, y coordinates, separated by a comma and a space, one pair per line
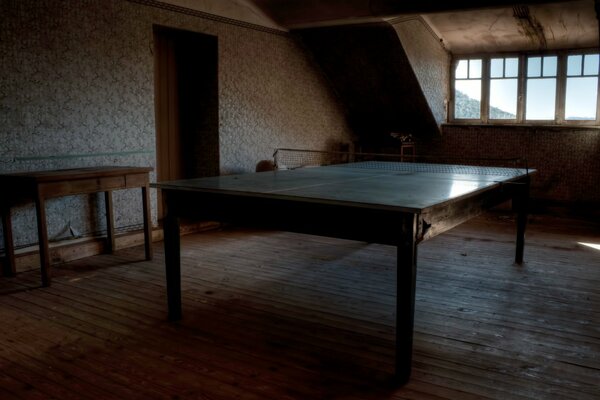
567, 159
77, 87
371, 72
429, 60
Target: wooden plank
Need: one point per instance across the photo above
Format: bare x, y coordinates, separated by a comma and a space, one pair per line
12, 388
317, 323
135, 365
174, 344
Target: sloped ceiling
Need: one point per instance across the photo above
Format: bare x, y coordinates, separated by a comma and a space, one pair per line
464, 26
294, 13
524, 28
371, 73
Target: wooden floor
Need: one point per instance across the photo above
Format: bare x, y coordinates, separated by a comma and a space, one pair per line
274, 315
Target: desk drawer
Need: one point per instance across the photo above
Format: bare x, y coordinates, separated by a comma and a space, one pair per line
56, 189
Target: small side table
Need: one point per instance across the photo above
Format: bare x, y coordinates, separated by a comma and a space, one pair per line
38, 186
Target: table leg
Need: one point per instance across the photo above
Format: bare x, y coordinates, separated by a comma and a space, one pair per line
173, 268
9, 249
40, 208
110, 224
147, 221
405, 299
521, 205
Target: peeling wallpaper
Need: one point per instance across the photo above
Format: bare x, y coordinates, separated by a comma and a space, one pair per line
77, 89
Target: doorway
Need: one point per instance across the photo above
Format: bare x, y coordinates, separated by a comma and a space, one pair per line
187, 105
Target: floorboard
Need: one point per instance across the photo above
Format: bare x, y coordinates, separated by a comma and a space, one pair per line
276, 315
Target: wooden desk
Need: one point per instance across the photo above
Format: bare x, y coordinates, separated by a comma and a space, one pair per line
38, 186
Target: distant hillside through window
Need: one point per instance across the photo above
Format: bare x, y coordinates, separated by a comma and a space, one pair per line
469, 108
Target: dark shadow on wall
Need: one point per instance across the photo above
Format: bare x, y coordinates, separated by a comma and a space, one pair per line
372, 75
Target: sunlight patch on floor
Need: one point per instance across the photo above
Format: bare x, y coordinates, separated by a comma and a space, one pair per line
595, 246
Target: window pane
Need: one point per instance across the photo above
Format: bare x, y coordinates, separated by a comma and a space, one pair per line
461, 69
511, 68
541, 99
475, 69
467, 99
534, 66
497, 68
503, 99
582, 94
550, 66
590, 67
574, 65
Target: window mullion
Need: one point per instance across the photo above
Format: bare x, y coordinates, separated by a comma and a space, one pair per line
452, 96
561, 88
521, 89
485, 89
598, 100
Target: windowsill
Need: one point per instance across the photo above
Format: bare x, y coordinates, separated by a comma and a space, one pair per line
530, 126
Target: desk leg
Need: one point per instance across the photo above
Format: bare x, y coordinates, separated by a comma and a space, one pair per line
9, 249
147, 221
110, 224
172, 263
40, 208
405, 299
521, 205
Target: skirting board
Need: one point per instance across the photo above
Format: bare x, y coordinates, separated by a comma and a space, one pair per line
74, 249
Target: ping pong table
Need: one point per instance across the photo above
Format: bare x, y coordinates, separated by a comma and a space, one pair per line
392, 203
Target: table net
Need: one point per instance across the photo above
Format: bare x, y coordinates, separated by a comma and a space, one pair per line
296, 158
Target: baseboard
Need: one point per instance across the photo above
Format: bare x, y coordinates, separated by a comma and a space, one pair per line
74, 249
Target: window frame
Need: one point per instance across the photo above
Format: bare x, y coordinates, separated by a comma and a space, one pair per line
482, 78
561, 85
520, 88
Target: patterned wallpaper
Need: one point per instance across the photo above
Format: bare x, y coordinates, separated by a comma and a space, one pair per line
567, 162
272, 102
429, 60
77, 89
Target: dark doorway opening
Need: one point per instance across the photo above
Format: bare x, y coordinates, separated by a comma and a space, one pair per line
187, 105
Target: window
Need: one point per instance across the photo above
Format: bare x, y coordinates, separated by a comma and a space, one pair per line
557, 88
468, 89
541, 88
504, 73
581, 99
